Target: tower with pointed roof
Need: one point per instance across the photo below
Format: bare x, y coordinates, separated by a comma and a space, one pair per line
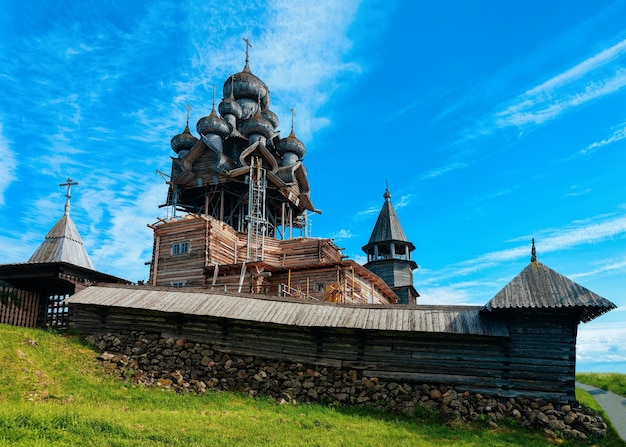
63, 243
58, 268
389, 253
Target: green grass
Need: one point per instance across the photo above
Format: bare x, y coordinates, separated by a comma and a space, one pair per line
613, 382
54, 392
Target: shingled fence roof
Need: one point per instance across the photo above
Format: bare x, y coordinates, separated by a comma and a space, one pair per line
467, 320
540, 287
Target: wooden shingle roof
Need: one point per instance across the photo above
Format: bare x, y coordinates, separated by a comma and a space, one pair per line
540, 287
63, 244
387, 227
466, 320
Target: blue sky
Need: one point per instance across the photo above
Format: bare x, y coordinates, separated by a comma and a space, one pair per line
492, 122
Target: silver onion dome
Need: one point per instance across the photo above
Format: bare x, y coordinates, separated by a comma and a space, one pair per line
246, 85
213, 124
257, 124
229, 106
292, 145
183, 141
271, 117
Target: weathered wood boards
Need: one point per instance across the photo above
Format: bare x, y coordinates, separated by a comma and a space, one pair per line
214, 255
526, 354
18, 307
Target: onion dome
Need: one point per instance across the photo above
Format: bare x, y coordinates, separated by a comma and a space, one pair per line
291, 144
213, 124
183, 141
246, 85
257, 124
229, 106
271, 117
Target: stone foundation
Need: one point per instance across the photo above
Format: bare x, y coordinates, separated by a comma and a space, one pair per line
186, 366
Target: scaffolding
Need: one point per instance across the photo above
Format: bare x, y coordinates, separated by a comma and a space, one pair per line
257, 222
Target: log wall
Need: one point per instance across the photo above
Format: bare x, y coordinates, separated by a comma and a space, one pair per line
541, 352
484, 364
213, 244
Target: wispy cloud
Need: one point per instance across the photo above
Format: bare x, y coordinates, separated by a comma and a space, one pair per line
606, 266
618, 134
574, 191
405, 200
443, 170
367, 212
589, 231
318, 30
341, 235
601, 343
599, 75
8, 165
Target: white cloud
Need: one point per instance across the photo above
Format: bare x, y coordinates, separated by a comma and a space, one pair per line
601, 343
599, 75
301, 56
589, 231
617, 135
607, 265
405, 200
456, 294
575, 192
342, 234
443, 170
8, 165
367, 212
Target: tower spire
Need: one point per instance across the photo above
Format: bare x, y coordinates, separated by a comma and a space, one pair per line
533, 252
293, 114
69, 183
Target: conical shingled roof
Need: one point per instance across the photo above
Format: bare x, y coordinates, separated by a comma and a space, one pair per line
388, 226
63, 244
540, 287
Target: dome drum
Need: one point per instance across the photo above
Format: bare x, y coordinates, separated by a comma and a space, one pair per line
230, 106
214, 142
290, 158
291, 149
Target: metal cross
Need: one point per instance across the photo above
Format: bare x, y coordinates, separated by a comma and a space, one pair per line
69, 183
247, 46
188, 107
293, 114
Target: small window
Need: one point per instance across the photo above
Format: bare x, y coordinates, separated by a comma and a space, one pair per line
180, 248
178, 284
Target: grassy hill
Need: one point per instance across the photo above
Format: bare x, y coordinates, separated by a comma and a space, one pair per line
54, 392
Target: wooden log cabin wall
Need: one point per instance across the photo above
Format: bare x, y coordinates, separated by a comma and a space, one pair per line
201, 251
485, 349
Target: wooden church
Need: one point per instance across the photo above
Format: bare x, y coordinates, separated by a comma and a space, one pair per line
245, 196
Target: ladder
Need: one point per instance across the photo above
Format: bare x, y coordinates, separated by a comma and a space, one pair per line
257, 223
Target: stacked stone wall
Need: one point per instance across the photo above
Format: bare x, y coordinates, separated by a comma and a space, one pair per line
186, 366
